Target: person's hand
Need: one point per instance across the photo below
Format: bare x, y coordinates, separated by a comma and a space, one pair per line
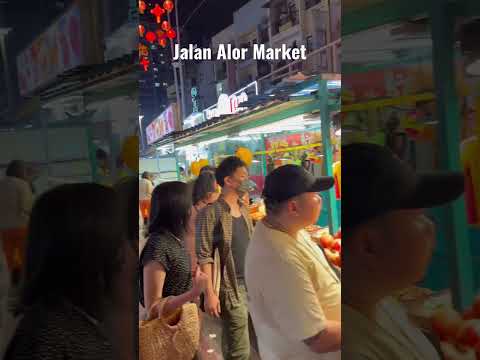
212, 305
200, 282
154, 312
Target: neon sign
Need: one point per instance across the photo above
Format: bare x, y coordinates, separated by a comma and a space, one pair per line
228, 105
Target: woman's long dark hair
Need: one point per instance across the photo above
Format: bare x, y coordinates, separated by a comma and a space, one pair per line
171, 208
75, 247
127, 192
203, 185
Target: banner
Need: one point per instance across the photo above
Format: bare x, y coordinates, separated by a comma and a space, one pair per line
279, 142
55, 51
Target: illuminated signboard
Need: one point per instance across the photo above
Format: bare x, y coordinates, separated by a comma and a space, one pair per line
229, 104
56, 50
163, 125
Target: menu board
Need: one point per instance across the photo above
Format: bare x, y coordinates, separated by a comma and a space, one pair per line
55, 51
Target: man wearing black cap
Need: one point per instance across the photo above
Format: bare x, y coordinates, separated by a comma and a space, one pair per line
294, 294
387, 246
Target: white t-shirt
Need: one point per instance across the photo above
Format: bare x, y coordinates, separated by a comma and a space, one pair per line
390, 335
145, 189
16, 198
292, 290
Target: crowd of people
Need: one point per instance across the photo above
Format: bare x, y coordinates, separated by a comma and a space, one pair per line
202, 243
75, 263
65, 293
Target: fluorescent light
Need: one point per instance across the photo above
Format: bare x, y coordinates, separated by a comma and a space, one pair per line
473, 68
271, 130
213, 141
334, 84
185, 148
293, 123
239, 138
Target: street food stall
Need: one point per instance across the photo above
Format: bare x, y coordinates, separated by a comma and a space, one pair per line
419, 95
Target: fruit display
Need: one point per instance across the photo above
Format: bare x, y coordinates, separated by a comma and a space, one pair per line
332, 245
459, 334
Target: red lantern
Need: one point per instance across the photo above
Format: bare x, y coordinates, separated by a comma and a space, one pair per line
166, 25
150, 37
168, 5
145, 63
171, 34
162, 42
142, 7
160, 34
141, 30
157, 11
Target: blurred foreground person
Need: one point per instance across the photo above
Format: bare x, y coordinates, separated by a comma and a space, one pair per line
145, 190
165, 270
76, 252
16, 199
6, 319
295, 295
123, 321
387, 244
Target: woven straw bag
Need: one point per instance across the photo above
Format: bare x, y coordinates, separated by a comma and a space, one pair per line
174, 337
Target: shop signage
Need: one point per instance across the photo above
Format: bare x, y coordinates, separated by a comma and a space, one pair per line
228, 105
163, 125
56, 50
194, 93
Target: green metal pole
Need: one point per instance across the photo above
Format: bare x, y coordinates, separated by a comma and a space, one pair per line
455, 224
177, 167
330, 200
264, 158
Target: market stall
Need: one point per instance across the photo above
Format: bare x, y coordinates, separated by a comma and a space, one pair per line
275, 134
393, 98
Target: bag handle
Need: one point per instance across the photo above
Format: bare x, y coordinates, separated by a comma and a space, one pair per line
161, 304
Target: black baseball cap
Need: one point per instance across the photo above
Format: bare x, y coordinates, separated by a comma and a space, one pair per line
375, 181
288, 181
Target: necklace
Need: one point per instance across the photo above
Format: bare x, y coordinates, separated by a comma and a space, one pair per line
277, 227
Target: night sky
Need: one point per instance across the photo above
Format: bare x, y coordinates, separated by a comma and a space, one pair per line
212, 17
